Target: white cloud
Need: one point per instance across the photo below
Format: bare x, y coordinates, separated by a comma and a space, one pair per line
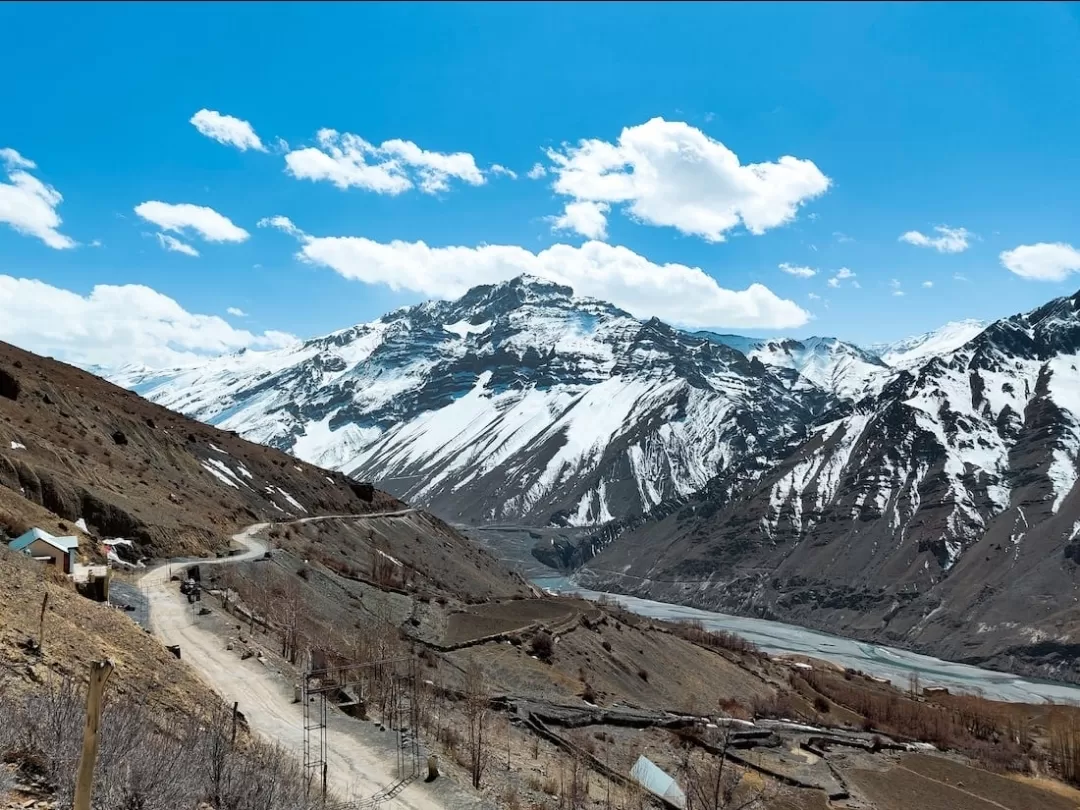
797, 270
28, 205
208, 223
928, 284
496, 169
856, 285
114, 325
536, 172
227, 130
951, 240
668, 173
674, 292
96, 243
236, 312
898, 293
13, 160
842, 237
959, 277
813, 296
174, 245
1045, 261
840, 275
895, 285
282, 224
586, 218
396, 165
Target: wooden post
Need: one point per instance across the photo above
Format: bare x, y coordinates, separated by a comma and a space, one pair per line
41, 626
99, 674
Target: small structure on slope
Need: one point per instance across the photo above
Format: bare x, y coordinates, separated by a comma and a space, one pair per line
39, 544
646, 773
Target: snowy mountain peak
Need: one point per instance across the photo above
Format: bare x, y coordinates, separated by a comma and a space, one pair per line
521, 401
912, 351
517, 400
833, 365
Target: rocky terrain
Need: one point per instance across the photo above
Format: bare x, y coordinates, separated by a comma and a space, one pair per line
938, 514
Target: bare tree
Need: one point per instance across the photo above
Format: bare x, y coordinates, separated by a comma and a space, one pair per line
477, 706
714, 783
914, 686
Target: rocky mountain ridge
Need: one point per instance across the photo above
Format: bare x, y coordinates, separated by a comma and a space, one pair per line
939, 513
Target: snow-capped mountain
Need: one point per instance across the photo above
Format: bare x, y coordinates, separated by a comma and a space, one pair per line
941, 513
517, 402
833, 365
912, 351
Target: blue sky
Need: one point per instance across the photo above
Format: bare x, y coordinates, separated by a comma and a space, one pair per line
901, 118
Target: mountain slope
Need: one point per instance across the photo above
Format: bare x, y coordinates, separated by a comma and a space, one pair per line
79, 455
940, 513
518, 401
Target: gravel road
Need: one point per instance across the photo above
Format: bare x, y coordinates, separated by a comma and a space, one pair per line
357, 770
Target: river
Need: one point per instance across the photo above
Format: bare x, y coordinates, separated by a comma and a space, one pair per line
874, 659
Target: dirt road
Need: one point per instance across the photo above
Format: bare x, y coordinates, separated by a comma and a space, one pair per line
356, 770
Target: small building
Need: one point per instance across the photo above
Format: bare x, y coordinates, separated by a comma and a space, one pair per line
39, 544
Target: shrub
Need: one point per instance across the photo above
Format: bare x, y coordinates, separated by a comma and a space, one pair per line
542, 645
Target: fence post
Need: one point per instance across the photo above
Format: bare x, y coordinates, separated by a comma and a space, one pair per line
99, 674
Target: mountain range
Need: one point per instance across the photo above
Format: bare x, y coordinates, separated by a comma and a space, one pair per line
919, 493
521, 402
939, 513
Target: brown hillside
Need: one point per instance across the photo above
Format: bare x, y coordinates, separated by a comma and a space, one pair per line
84, 448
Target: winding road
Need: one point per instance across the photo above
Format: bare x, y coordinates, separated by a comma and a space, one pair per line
356, 769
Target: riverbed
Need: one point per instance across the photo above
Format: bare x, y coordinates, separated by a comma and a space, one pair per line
875, 659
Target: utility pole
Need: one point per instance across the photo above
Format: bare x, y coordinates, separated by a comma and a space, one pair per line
84, 783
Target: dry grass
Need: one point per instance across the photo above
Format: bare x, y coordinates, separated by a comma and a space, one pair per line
203, 759
78, 631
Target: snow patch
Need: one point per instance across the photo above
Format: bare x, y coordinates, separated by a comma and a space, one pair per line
463, 328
